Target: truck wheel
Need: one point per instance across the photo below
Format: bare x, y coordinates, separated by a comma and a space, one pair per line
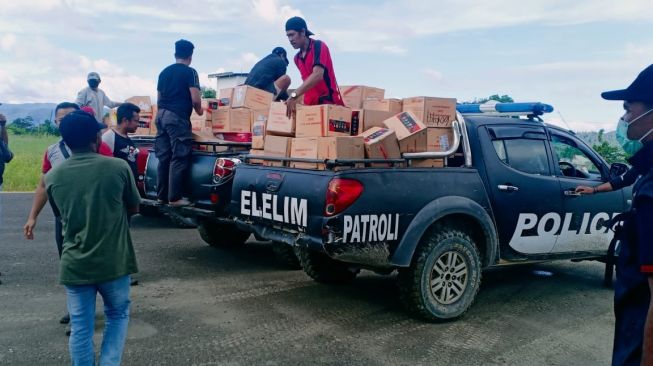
221, 235
149, 211
444, 276
322, 268
286, 254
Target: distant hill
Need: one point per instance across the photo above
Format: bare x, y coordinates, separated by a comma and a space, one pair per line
592, 138
38, 111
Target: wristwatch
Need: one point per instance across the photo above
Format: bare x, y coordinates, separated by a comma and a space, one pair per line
293, 95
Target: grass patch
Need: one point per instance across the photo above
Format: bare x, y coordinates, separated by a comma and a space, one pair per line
24, 171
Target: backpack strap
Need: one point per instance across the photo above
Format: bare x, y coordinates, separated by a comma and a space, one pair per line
64, 150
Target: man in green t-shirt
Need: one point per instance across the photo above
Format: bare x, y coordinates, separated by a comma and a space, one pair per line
94, 196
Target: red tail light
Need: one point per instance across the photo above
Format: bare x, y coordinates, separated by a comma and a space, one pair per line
341, 194
223, 169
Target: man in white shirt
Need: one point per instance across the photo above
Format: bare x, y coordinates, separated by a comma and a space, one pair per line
94, 97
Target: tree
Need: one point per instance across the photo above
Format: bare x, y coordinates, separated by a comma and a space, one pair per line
611, 153
22, 126
208, 92
496, 97
48, 128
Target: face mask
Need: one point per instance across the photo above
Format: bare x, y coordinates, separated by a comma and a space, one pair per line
93, 83
630, 146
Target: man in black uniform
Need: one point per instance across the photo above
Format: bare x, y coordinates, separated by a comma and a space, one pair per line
270, 74
633, 338
179, 93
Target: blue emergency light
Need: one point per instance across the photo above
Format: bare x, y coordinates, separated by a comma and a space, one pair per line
513, 109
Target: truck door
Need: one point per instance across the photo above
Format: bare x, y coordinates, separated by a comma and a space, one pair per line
525, 194
578, 165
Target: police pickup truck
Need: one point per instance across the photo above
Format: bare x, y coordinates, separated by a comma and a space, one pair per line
506, 195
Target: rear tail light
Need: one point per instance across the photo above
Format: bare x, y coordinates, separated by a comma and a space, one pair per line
341, 194
223, 169
215, 198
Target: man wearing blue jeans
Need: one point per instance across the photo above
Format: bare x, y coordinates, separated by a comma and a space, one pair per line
94, 196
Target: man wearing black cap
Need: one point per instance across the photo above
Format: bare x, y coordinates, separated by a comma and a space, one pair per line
270, 74
179, 94
94, 196
315, 66
633, 338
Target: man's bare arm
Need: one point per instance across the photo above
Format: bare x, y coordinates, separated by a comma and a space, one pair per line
39, 201
197, 100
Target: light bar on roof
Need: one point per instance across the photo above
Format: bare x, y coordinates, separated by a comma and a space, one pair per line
528, 108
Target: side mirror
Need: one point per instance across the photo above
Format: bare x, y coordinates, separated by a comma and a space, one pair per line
618, 169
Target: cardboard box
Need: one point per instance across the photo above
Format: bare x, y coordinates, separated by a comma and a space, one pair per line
433, 112
354, 95
393, 106
203, 136
411, 132
246, 96
259, 120
381, 143
143, 102
438, 139
326, 148
323, 121
427, 163
356, 122
277, 146
374, 118
208, 106
232, 120
258, 152
278, 123
225, 96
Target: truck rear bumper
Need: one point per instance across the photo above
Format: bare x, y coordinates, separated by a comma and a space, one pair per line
373, 255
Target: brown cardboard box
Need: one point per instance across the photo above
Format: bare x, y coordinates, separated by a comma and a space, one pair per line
411, 132
203, 136
225, 96
427, 163
323, 121
142, 102
374, 118
232, 120
208, 106
381, 143
246, 96
354, 95
259, 120
438, 139
277, 146
389, 105
325, 148
434, 112
278, 123
257, 152
356, 122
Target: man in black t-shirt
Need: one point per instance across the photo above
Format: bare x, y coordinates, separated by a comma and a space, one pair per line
178, 94
118, 139
270, 74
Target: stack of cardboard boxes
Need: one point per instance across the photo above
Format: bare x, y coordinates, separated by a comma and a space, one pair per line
146, 125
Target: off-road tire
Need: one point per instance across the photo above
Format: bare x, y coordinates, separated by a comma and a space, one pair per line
287, 255
456, 256
323, 269
221, 235
149, 211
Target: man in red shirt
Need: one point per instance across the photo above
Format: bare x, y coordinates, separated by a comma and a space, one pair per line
315, 66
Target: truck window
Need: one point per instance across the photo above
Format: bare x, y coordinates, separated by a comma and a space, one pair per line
573, 161
526, 155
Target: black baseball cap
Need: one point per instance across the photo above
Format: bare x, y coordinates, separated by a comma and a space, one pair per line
280, 51
641, 90
297, 24
79, 128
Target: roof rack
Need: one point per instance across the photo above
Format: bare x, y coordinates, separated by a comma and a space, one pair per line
492, 108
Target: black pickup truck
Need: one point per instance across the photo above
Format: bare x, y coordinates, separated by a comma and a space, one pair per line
506, 195
209, 183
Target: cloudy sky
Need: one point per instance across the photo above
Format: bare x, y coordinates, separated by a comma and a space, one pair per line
563, 52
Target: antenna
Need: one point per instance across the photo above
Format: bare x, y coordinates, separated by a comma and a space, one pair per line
564, 121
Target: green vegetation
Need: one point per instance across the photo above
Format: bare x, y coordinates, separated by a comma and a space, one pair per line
26, 126
609, 152
24, 171
208, 92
